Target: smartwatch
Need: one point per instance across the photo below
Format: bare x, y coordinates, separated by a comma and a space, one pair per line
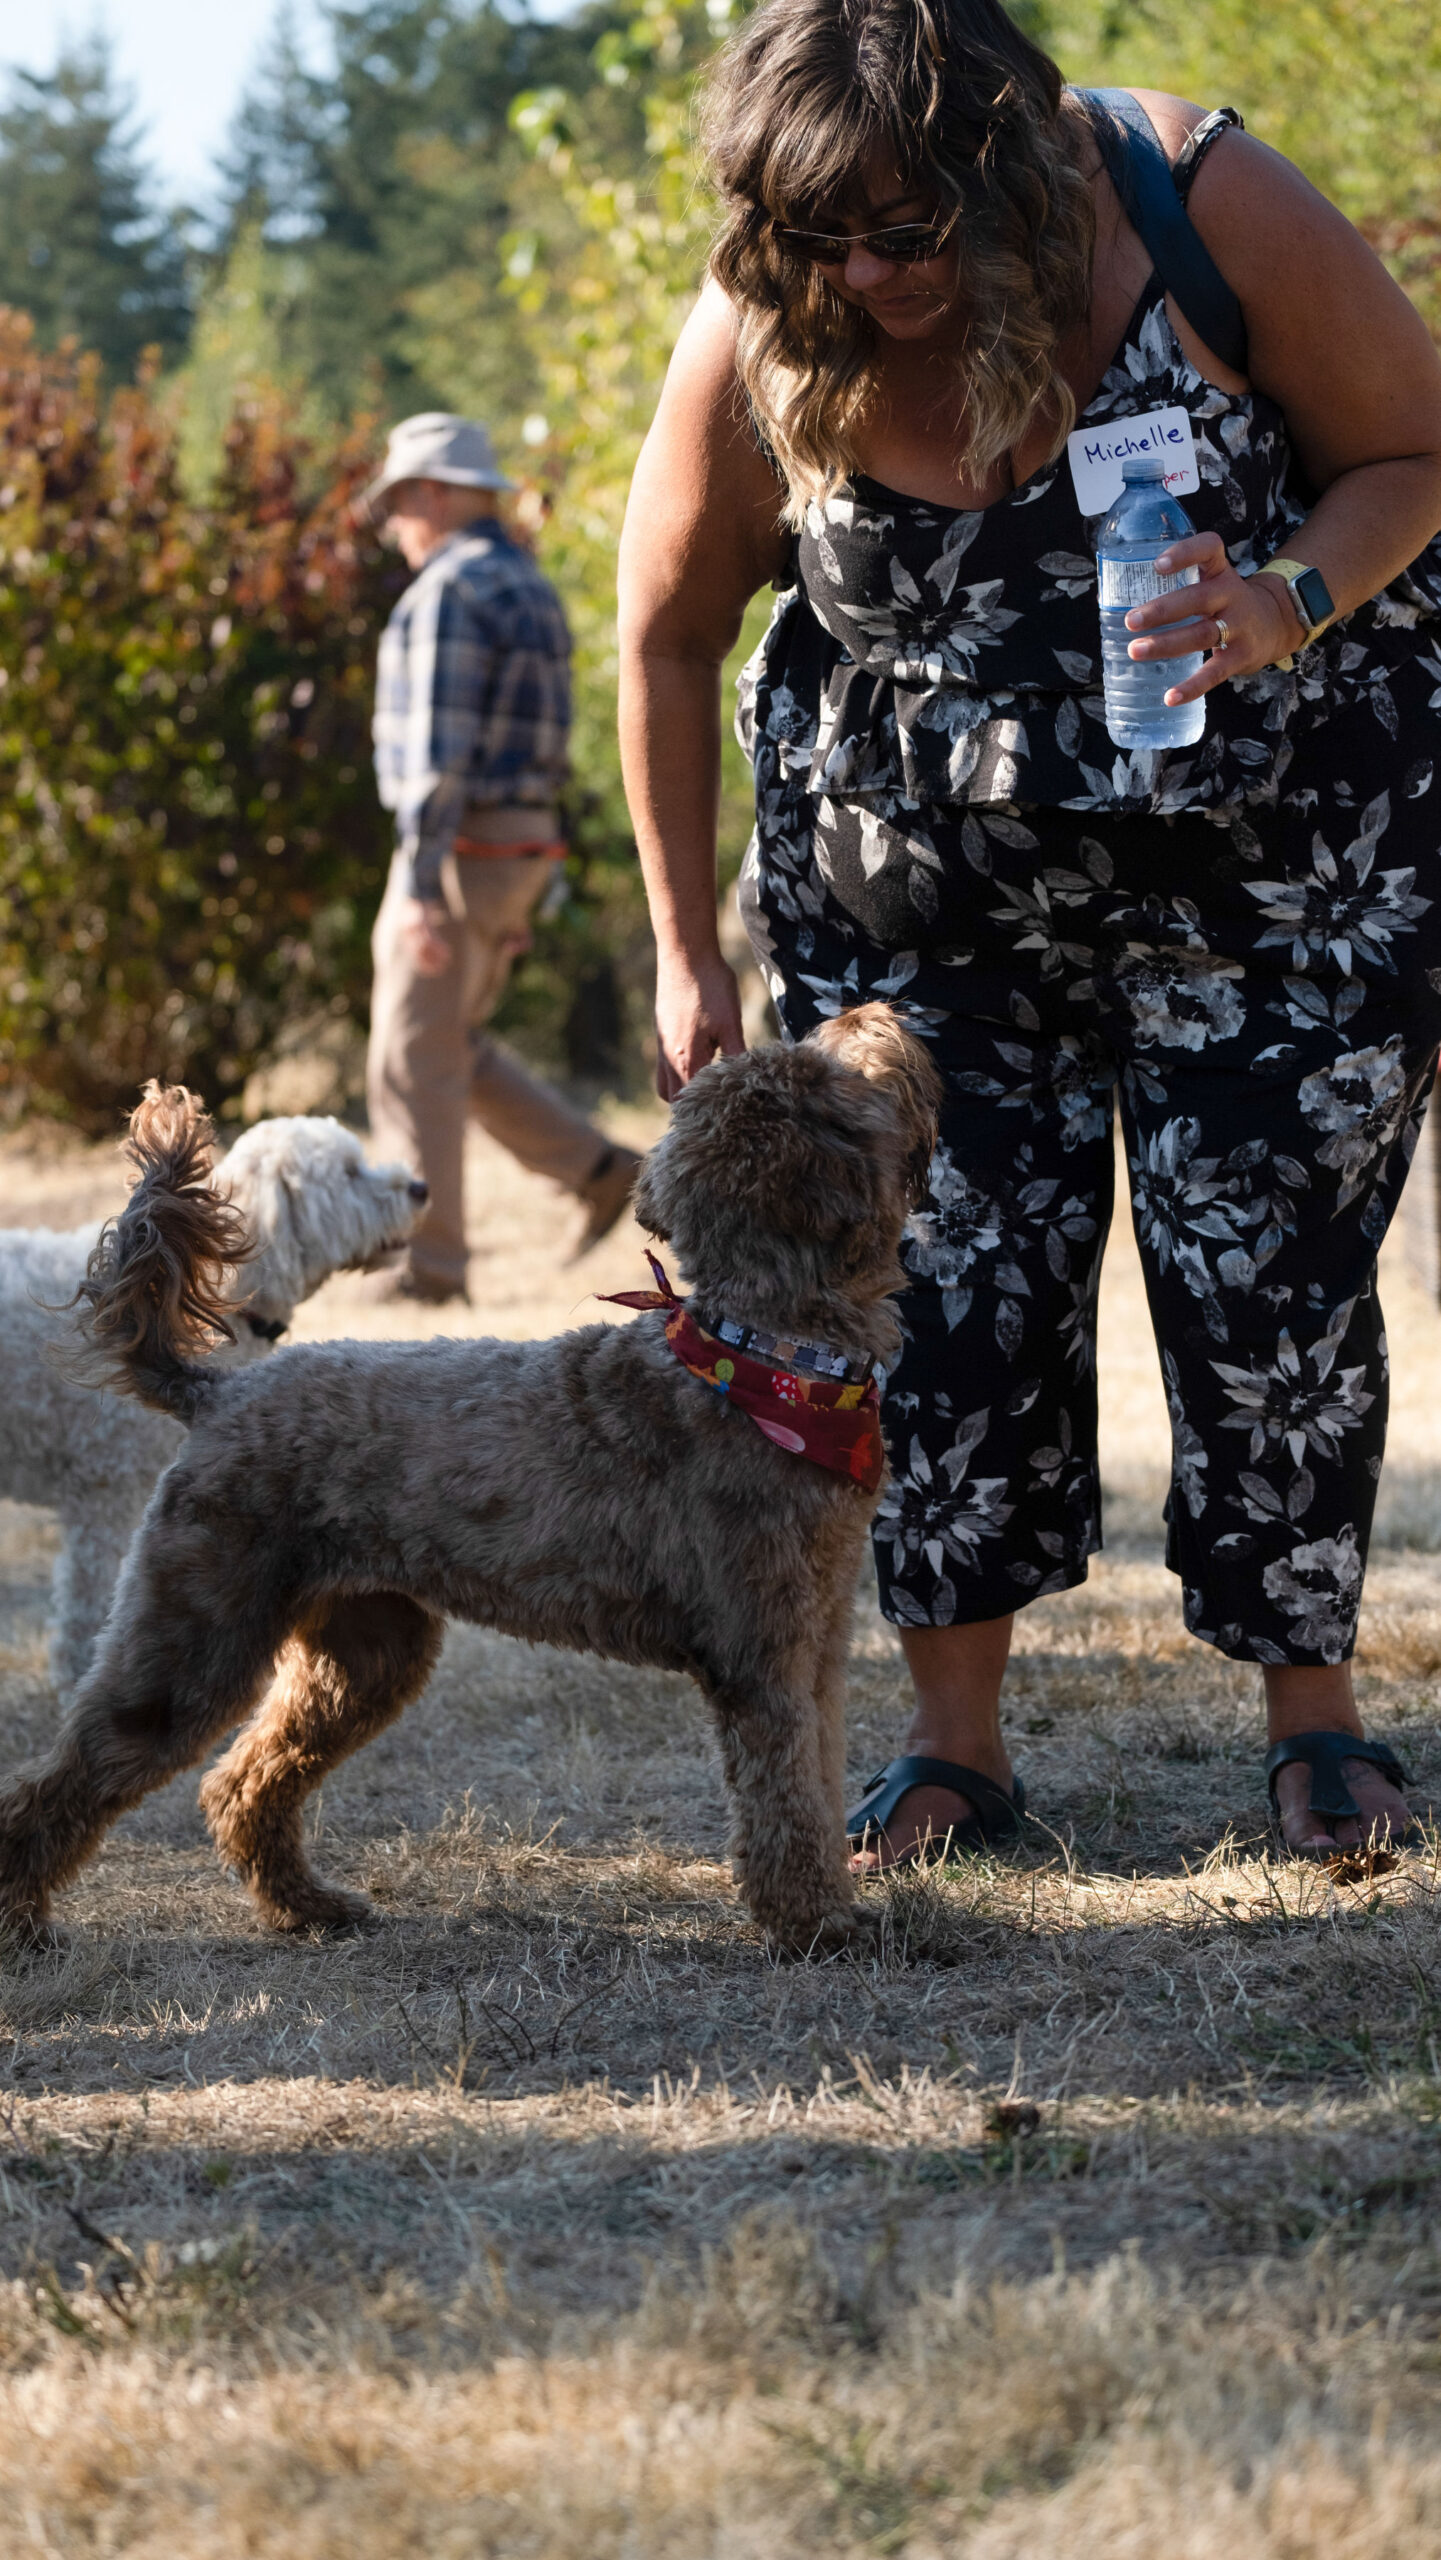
1309, 594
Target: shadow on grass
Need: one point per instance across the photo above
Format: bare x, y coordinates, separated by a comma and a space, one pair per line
542, 1977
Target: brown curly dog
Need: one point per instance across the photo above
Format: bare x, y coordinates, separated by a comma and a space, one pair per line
336, 1503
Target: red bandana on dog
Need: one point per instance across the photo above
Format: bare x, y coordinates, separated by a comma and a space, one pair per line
835, 1420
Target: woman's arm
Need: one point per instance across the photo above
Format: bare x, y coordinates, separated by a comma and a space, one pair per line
1336, 344
702, 533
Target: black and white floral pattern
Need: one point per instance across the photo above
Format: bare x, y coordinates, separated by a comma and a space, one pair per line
1241, 942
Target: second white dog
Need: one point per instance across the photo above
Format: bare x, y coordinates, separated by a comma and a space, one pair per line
314, 1205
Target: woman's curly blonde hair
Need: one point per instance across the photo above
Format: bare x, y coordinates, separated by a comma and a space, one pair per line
801, 104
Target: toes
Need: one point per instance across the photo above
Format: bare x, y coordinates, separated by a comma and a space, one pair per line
922, 1821
1385, 1814
1307, 1837
1384, 1817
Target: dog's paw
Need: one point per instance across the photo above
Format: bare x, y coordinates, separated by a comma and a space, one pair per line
326, 1907
827, 1933
25, 1934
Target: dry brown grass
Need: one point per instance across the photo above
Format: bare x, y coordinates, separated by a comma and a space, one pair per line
1093, 2207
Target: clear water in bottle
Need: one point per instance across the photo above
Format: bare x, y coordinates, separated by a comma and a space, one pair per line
1141, 525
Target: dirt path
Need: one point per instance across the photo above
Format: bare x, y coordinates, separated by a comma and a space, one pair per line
1096, 2208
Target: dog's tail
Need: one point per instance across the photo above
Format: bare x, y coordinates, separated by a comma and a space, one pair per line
152, 1296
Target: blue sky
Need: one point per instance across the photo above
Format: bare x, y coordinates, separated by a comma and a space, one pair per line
187, 62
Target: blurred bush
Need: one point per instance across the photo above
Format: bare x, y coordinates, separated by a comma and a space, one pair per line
603, 269
190, 844
470, 211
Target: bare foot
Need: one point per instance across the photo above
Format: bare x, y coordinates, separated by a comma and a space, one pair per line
921, 1820
1385, 1814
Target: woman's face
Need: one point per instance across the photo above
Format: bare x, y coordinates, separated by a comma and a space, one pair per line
908, 302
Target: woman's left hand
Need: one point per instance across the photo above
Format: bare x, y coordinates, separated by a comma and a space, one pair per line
1245, 623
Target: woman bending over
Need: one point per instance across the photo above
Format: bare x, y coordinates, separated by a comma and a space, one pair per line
942, 274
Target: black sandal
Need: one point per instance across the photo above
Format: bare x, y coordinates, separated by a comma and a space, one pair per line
997, 1817
1323, 1754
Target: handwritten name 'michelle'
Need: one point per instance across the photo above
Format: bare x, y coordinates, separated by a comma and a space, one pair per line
1121, 448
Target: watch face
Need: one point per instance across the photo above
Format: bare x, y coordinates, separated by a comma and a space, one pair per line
1313, 595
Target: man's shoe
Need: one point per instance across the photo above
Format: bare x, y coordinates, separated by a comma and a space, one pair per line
606, 1195
400, 1285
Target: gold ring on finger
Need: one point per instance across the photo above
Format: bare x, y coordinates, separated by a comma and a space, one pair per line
1223, 632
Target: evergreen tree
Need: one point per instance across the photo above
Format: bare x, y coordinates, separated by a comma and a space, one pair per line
84, 248
392, 172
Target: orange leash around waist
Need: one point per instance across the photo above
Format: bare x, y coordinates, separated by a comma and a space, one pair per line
834, 1422
478, 849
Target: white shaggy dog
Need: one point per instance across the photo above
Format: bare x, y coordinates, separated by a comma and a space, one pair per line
313, 1204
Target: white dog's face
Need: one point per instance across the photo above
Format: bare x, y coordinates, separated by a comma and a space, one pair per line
315, 1205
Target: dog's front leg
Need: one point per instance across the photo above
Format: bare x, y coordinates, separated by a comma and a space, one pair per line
347, 1671
832, 1664
789, 1840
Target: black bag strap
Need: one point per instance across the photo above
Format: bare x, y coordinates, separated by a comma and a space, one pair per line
1143, 179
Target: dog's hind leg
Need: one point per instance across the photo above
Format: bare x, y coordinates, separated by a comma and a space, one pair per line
166, 1682
789, 1841
346, 1672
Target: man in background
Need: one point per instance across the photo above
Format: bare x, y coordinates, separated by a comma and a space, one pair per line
471, 717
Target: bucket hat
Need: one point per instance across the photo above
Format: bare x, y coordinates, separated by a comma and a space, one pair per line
438, 446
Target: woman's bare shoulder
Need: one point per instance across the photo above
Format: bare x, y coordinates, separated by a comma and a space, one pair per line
1257, 212
1175, 119
704, 360
704, 494
703, 406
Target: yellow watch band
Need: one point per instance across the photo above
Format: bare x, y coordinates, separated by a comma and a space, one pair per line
1289, 569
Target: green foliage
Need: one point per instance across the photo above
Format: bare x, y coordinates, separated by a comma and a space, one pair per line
381, 188
470, 210
603, 280
248, 340
190, 844
1348, 89
83, 247
603, 307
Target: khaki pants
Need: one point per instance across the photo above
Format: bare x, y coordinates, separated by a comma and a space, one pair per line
431, 1060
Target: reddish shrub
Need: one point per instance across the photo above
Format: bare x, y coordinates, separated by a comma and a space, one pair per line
190, 843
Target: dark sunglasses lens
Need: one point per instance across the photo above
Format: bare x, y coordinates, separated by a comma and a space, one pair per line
905, 246
814, 248
909, 242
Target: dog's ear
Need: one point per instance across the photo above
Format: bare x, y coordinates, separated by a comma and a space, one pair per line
253, 1176
875, 1042
650, 1199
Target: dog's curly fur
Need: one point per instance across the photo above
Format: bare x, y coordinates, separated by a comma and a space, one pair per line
293, 1201
331, 1508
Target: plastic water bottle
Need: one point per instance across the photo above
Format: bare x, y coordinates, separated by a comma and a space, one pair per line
1143, 522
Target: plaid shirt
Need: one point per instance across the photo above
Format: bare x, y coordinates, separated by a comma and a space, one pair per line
472, 697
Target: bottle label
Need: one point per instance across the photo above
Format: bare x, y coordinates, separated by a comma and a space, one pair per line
1125, 583
1098, 456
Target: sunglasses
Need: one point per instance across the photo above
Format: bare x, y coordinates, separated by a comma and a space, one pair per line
906, 244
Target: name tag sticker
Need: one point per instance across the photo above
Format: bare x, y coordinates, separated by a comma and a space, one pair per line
1097, 454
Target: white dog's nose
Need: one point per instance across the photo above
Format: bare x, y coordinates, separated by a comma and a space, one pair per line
420, 1191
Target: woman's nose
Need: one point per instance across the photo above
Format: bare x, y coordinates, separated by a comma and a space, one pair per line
864, 270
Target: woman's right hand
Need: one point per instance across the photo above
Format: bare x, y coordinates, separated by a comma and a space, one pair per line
697, 1018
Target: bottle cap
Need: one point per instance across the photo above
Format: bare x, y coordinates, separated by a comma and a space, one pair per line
1143, 466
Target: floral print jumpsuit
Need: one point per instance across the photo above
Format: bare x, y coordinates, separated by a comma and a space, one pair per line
1242, 940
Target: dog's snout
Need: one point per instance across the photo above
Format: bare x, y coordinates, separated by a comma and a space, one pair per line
420, 1192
